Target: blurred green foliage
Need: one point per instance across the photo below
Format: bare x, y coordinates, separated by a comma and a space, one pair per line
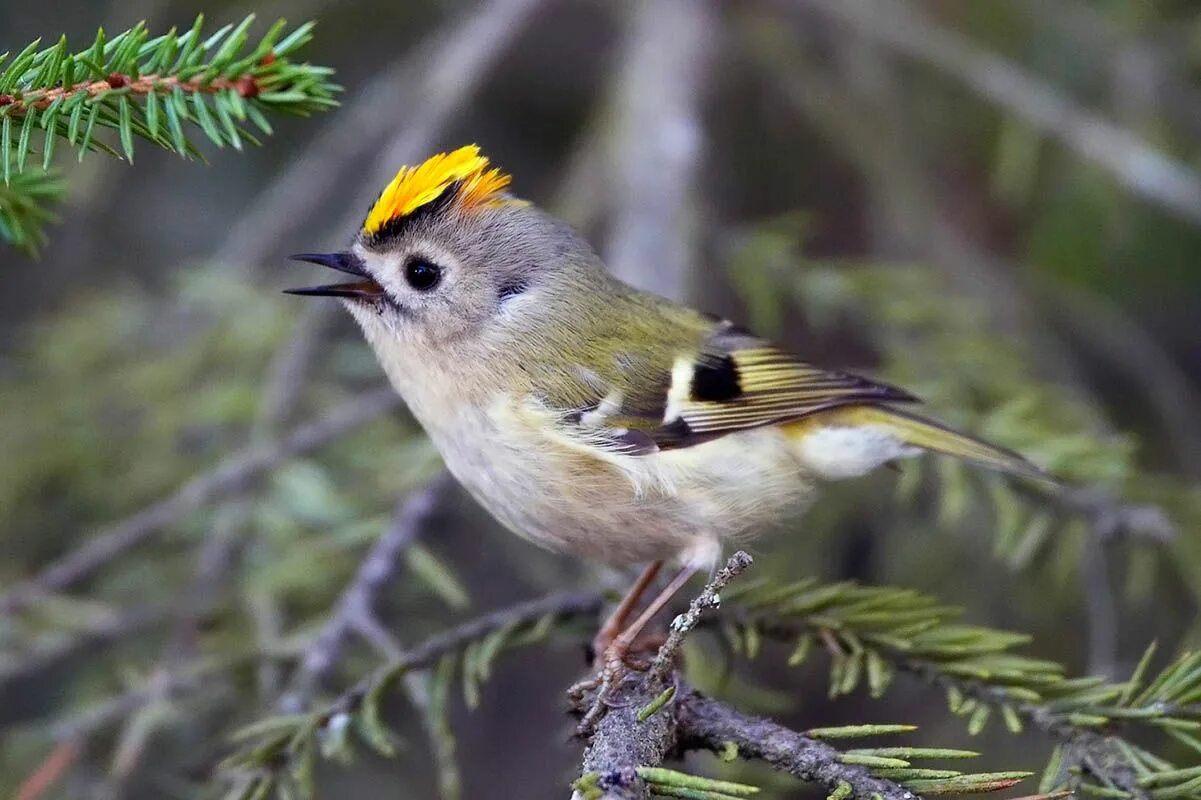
893, 222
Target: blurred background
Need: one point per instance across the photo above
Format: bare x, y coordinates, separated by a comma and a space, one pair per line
996, 204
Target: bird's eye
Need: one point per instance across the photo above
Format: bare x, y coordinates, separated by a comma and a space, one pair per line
422, 275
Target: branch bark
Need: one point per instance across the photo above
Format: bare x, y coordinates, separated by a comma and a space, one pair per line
622, 737
706, 724
622, 742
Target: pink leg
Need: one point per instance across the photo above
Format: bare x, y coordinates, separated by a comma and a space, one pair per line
621, 644
617, 620
613, 656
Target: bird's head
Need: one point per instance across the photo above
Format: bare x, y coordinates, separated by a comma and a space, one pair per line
447, 254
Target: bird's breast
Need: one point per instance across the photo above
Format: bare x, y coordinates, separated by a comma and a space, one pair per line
562, 491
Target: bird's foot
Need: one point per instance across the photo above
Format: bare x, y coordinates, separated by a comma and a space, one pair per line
616, 665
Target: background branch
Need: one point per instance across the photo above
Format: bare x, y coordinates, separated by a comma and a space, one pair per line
1143, 170
231, 473
657, 143
354, 611
430, 84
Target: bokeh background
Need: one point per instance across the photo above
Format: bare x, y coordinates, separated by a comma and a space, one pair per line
995, 203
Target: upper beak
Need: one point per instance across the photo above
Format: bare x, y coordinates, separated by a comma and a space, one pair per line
343, 262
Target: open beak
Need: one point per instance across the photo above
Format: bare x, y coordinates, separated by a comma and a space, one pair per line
365, 289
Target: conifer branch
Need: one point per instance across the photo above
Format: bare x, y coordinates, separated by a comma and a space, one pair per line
871, 633
280, 750
642, 726
707, 724
24, 208
153, 89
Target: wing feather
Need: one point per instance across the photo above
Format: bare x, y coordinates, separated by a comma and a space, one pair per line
730, 381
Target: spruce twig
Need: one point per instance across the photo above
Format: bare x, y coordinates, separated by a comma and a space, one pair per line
872, 632
159, 90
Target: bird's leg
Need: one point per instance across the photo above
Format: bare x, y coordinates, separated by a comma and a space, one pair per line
613, 668
616, 652
613, 626
621, 615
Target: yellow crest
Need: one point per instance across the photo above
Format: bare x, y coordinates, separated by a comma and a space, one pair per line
414, 187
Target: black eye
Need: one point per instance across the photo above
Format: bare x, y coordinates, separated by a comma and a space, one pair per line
422, 275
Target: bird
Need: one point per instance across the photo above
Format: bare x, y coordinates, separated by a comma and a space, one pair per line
593, 418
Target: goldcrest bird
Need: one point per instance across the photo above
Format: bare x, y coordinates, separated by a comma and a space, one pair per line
588, 416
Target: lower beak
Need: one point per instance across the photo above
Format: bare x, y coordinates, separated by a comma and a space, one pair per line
365, 289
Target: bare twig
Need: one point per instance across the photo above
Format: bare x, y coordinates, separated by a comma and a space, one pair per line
1108, 518
1112, 517
1100, 606
684, 623
710, 725
354, 611
231, 473
1139, 167
48, 771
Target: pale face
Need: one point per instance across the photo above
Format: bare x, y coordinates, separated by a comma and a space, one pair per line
436, 282
427, 290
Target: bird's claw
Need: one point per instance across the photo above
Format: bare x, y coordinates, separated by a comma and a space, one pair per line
604, 683
578, 690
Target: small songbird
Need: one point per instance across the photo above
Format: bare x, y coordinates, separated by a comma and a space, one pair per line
588, 416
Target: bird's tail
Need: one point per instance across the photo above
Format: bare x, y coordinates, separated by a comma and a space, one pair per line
927, 434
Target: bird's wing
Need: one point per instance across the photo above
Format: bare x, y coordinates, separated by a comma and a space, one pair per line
730, 380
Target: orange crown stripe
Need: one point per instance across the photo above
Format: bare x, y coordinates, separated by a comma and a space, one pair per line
413, 187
